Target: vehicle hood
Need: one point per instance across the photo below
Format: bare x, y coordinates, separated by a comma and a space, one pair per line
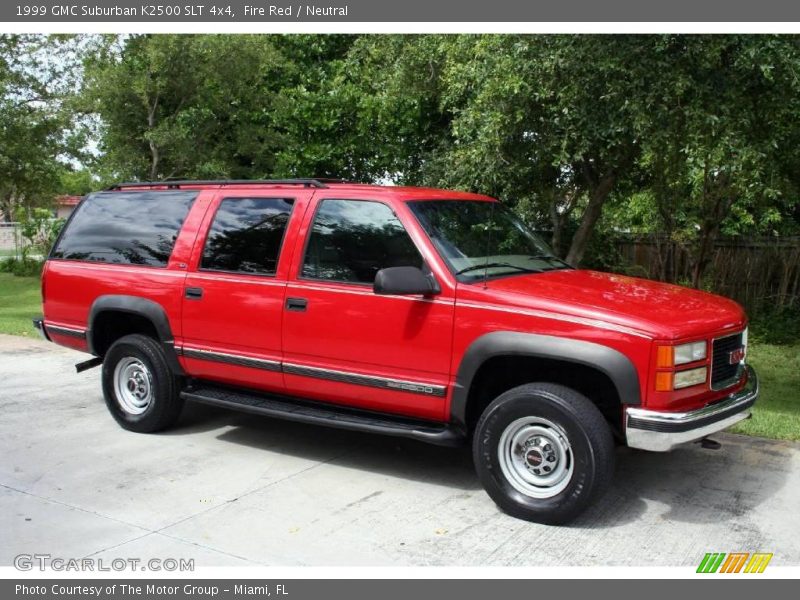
661, 310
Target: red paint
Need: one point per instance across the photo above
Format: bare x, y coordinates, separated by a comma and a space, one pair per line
349, 329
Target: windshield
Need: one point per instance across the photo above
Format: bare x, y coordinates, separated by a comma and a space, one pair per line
479, 239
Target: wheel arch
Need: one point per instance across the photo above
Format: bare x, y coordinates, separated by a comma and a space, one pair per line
614, 365
145, 316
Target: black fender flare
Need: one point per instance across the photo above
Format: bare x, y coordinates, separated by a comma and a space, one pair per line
618, 367
152, 311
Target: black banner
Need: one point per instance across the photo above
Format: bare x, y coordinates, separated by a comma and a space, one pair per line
515, 11
419, 589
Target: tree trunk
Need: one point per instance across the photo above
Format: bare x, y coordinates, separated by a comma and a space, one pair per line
555, 239
154, 158
154, 153
707, 236
597, 198
716, 193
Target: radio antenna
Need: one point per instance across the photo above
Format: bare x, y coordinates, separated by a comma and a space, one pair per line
488, 245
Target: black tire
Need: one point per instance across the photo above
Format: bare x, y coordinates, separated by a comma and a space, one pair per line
164, 403
590, 450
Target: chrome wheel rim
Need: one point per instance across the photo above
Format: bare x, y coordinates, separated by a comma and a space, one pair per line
133, 385
536, 457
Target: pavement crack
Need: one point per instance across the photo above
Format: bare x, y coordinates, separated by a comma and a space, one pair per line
73, 507
112, 546
209, 548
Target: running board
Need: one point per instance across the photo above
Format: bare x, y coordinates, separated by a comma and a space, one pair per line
283, 407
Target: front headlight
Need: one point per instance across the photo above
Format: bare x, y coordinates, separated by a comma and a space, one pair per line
688, 378
686, 353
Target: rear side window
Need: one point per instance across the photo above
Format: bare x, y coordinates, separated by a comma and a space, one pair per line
133, 228
246, 235
352, 240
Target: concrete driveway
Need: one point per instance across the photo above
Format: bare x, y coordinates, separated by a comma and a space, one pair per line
231, 489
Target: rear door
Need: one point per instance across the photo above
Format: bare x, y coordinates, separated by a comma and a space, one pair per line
234, 290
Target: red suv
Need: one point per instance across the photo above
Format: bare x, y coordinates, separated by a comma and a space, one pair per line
422, 313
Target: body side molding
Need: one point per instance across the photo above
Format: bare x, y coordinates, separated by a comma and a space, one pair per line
508, 343
143, 307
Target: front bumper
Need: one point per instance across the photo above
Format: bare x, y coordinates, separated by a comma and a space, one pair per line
662, 431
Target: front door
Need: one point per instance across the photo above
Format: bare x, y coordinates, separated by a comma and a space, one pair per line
233, 294
345, 344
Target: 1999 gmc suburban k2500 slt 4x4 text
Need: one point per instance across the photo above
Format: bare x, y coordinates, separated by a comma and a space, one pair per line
412, 312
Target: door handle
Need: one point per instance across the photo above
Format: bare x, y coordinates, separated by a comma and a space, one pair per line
296, 304
194, 293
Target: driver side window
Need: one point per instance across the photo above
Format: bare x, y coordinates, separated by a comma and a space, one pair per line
351, 240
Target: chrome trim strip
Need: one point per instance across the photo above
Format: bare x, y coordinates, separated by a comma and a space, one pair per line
558, 317
398, 385
232, 359
67, 331
414, 387
662, 431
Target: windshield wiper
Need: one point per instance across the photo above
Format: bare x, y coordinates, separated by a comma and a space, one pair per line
496, 264
550, 258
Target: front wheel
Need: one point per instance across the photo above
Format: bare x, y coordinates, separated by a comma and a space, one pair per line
140, 391
543, 452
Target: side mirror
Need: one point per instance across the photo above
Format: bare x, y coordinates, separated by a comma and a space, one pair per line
401, 281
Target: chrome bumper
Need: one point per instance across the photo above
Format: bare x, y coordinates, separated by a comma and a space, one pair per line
662, 431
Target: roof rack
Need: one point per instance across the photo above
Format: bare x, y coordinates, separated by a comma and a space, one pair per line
177, 183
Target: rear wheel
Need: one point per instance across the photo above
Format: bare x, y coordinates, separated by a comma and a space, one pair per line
543, 452
140, 391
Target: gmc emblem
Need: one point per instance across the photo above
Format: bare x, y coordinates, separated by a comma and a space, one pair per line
736, 356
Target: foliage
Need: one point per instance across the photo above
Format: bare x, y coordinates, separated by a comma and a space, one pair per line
248, 107
586, 136
81, 181
690, 134
36, 125
720, 152
780, 326
39, 230
22, 266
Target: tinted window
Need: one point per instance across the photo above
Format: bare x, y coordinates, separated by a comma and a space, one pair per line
246, 235
135, 228
352, 240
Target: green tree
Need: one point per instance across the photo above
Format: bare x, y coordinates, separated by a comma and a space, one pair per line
548, 121
720, 148
690, 135
34, 124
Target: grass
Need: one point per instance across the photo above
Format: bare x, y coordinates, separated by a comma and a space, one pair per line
20, 301
776, 415
777, 412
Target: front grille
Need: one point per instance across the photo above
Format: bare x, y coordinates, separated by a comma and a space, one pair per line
723, 373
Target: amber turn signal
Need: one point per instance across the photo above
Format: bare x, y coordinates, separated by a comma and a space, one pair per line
665, 357
664, 382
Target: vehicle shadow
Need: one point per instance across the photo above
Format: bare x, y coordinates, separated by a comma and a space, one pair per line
690, 484
395, 457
